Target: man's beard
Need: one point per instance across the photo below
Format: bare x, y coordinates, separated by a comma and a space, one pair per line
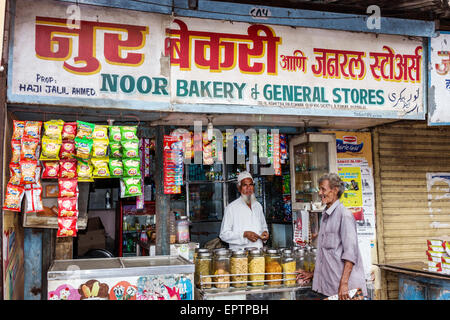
249, 199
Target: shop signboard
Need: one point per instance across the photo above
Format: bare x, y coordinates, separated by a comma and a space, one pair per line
439, 89
120, 58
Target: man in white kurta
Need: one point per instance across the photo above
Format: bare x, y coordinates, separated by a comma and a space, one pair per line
243, 223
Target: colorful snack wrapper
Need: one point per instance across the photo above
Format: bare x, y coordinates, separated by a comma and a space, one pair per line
101, 167
69, 131
68, 168
29, 149
13, 198
128, 132
53, 129
130, 187
115, 167
83, 148
33, 197
51, 170
99, 148
67, 188
85, 129
50, 149
131, 167
28, 170
115, 134
100, 132
130, 148
84, 171
16, 146
32, 129
18, 129
67, 150
14, 174
115, 150
68, 207
67, 227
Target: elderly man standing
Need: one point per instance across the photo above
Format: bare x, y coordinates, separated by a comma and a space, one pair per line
243, 223
339, 265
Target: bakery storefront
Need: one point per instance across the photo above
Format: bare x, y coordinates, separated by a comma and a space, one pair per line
126, 131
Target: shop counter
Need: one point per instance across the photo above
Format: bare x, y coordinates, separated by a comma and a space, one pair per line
256, 293
132, 278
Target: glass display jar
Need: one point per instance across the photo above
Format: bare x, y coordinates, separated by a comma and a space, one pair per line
203, 267
273, 267
199, 250
289, 266
182, 227
312, 261
221, 268
299, 255
239, 268
256, 268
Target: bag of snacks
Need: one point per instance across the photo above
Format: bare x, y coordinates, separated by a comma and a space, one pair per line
68, 168
51, 170
53, 129
28, 170
67, 188
128, 132
33, 198
115, 150
67, 150
85, 129
67, 227
114, 134
18, 129
115, 167
130, 187
99, 148
32, 129
13, 198
83, 147
50, 149
131, 167
68, 207
101, 167
84, 171
14, 174
130, 148
69, 131
100, 132
29, 149
16, 146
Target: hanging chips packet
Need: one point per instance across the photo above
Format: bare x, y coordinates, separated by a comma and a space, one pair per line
130, 148
101, 167
84, 171
53, 129
130, 187
131, 167
32, 129
83, 147
13, 198
50, 149
18, 129
115, 167
69, 131
85, 129
100, 132
128, 132
67, 227
33, 196
115, 134
51, 169
115, 150
99, 148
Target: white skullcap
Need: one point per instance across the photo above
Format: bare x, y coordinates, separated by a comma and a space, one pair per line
244, 175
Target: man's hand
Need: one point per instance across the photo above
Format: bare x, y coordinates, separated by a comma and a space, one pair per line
304, 277
343, 291
264, 236
250, 235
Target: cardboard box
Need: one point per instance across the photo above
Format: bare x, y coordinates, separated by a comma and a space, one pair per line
94, 238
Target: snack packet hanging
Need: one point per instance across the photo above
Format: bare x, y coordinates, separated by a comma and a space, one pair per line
99, 148
100, 132
115, 150
16, 146
115, 167
130, 187
67, 227
68, 188
85, 129
51, 170
68, 168
14, 174
29, 149
32, 129
50, 149
33, 198
67, 150
53, 129
83, 148
18, 129
130, 148
28, 172
67, 207
131, 167
84, 171
69, 131
128, 132
114, 134
13, 198
101, 167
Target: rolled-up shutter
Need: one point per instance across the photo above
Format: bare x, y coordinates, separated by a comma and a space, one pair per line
410, 208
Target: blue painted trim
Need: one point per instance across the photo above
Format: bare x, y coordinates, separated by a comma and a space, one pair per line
281, 16
32, 264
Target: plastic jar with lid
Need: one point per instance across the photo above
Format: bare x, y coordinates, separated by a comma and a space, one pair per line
256, 268
198, 250
299, 255
289, 266
182, 227
239, 268
221, 268
273, 267
203, 267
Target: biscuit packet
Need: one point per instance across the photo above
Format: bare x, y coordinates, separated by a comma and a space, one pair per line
13, 198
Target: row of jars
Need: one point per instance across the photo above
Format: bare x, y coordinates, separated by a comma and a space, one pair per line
252, 266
